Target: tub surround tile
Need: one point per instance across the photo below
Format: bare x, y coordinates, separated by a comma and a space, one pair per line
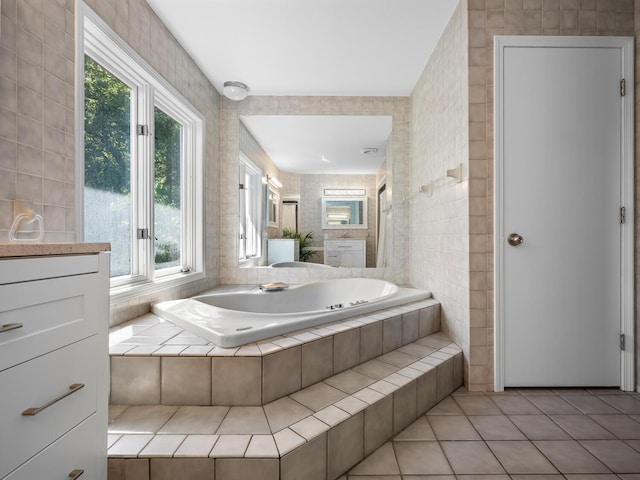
346, 350
230, 446
162, 446
351, 405
331, 415
317, 361
345, 446
376, 369
262, 446
244, 420
318, 396
236, 381
391, 334
309, 462
274, 383
192, 468
370, 341
195, 420
186, 381
410, 326
196, 446
309, 428
242, 469
135, 380
142, 419
287, 440
349, 381
284, 412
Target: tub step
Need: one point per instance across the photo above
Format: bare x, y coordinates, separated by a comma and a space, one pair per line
155, 362
319, 432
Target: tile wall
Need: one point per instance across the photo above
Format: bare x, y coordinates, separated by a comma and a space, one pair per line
397, 162
37, 114
439, 222
37, 108
487, 18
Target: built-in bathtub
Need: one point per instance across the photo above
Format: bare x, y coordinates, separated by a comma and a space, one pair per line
299, 265
233, 319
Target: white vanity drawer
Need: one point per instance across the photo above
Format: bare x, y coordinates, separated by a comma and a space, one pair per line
28, 269
49, 314
38, 383
75, 452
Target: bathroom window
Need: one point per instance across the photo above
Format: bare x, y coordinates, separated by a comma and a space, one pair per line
143, 167
250, 210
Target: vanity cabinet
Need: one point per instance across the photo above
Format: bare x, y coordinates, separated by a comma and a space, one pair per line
345, 253
54, 370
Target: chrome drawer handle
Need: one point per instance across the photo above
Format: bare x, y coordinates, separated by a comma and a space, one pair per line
29, 412
10, 326
77, 473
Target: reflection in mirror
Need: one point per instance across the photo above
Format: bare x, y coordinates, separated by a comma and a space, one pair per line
344, 213
311, 153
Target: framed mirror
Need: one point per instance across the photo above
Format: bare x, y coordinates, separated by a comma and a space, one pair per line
273, 203
344, 213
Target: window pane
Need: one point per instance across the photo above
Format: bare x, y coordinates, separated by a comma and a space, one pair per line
168, 155
107, 162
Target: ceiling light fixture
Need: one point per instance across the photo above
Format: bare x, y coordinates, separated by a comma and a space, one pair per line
235, 91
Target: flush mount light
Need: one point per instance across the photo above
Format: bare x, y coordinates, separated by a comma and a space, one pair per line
235, 91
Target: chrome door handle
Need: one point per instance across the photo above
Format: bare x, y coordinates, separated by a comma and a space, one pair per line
76, 474
515, 239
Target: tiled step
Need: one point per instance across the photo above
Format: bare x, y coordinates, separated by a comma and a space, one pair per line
154, 362
317, 433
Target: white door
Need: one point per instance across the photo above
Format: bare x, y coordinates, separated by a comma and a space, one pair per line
560, 135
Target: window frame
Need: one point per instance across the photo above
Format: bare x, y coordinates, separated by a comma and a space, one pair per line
149, 90
253, 210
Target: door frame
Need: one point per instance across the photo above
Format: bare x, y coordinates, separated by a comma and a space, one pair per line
627, 284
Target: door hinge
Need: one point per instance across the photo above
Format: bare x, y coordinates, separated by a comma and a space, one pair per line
143, 233
623, 87
142, 130
623, 214
622, 342
241, 186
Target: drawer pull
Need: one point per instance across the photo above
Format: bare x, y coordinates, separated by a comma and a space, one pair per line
77, 473
29, 412
10, 326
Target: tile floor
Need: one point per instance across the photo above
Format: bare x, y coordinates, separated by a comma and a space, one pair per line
519, 434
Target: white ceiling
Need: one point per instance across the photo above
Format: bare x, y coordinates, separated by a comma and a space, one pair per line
312, 47
322, 143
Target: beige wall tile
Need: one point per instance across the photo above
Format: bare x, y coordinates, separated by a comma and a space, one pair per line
346, 350
308, 462
410, 327
274, 383
404, 407
135, 380
236, 381
370, 341
345, 445
391, 334
378, 424
317, 361
244, 468
186, 381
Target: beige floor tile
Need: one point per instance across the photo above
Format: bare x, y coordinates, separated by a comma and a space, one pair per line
581, 427
381, 462
129, 446
471, 458
418, 430
615, 454
625, 403
142, 419
496, 427
477, 405
514, 405
262, 446
600, 476
309, 428
244, 420
384, 477
284, 412
417, 350
446, 407
318, 396
635, 444
566, 392
376, 369
115, 410
631, 476
553, 405
350, 381
622, 426
539, 477
331, 415
569, 456
480, 477
538, 427
421, 458
162, 446
195, 420
521, 457
230, 446
287, 440
590, 404
196, 446
453, 428
534, 391
398, 359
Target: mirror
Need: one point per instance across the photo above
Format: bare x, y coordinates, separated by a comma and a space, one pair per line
300, 202
344, 213
273, 207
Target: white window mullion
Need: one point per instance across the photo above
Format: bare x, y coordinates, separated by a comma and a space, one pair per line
144, 197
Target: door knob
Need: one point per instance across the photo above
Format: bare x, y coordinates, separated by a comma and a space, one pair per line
515, 239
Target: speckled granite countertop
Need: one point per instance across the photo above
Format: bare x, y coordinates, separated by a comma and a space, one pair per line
8, 250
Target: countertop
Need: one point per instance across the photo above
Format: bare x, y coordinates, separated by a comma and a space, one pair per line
8, 250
